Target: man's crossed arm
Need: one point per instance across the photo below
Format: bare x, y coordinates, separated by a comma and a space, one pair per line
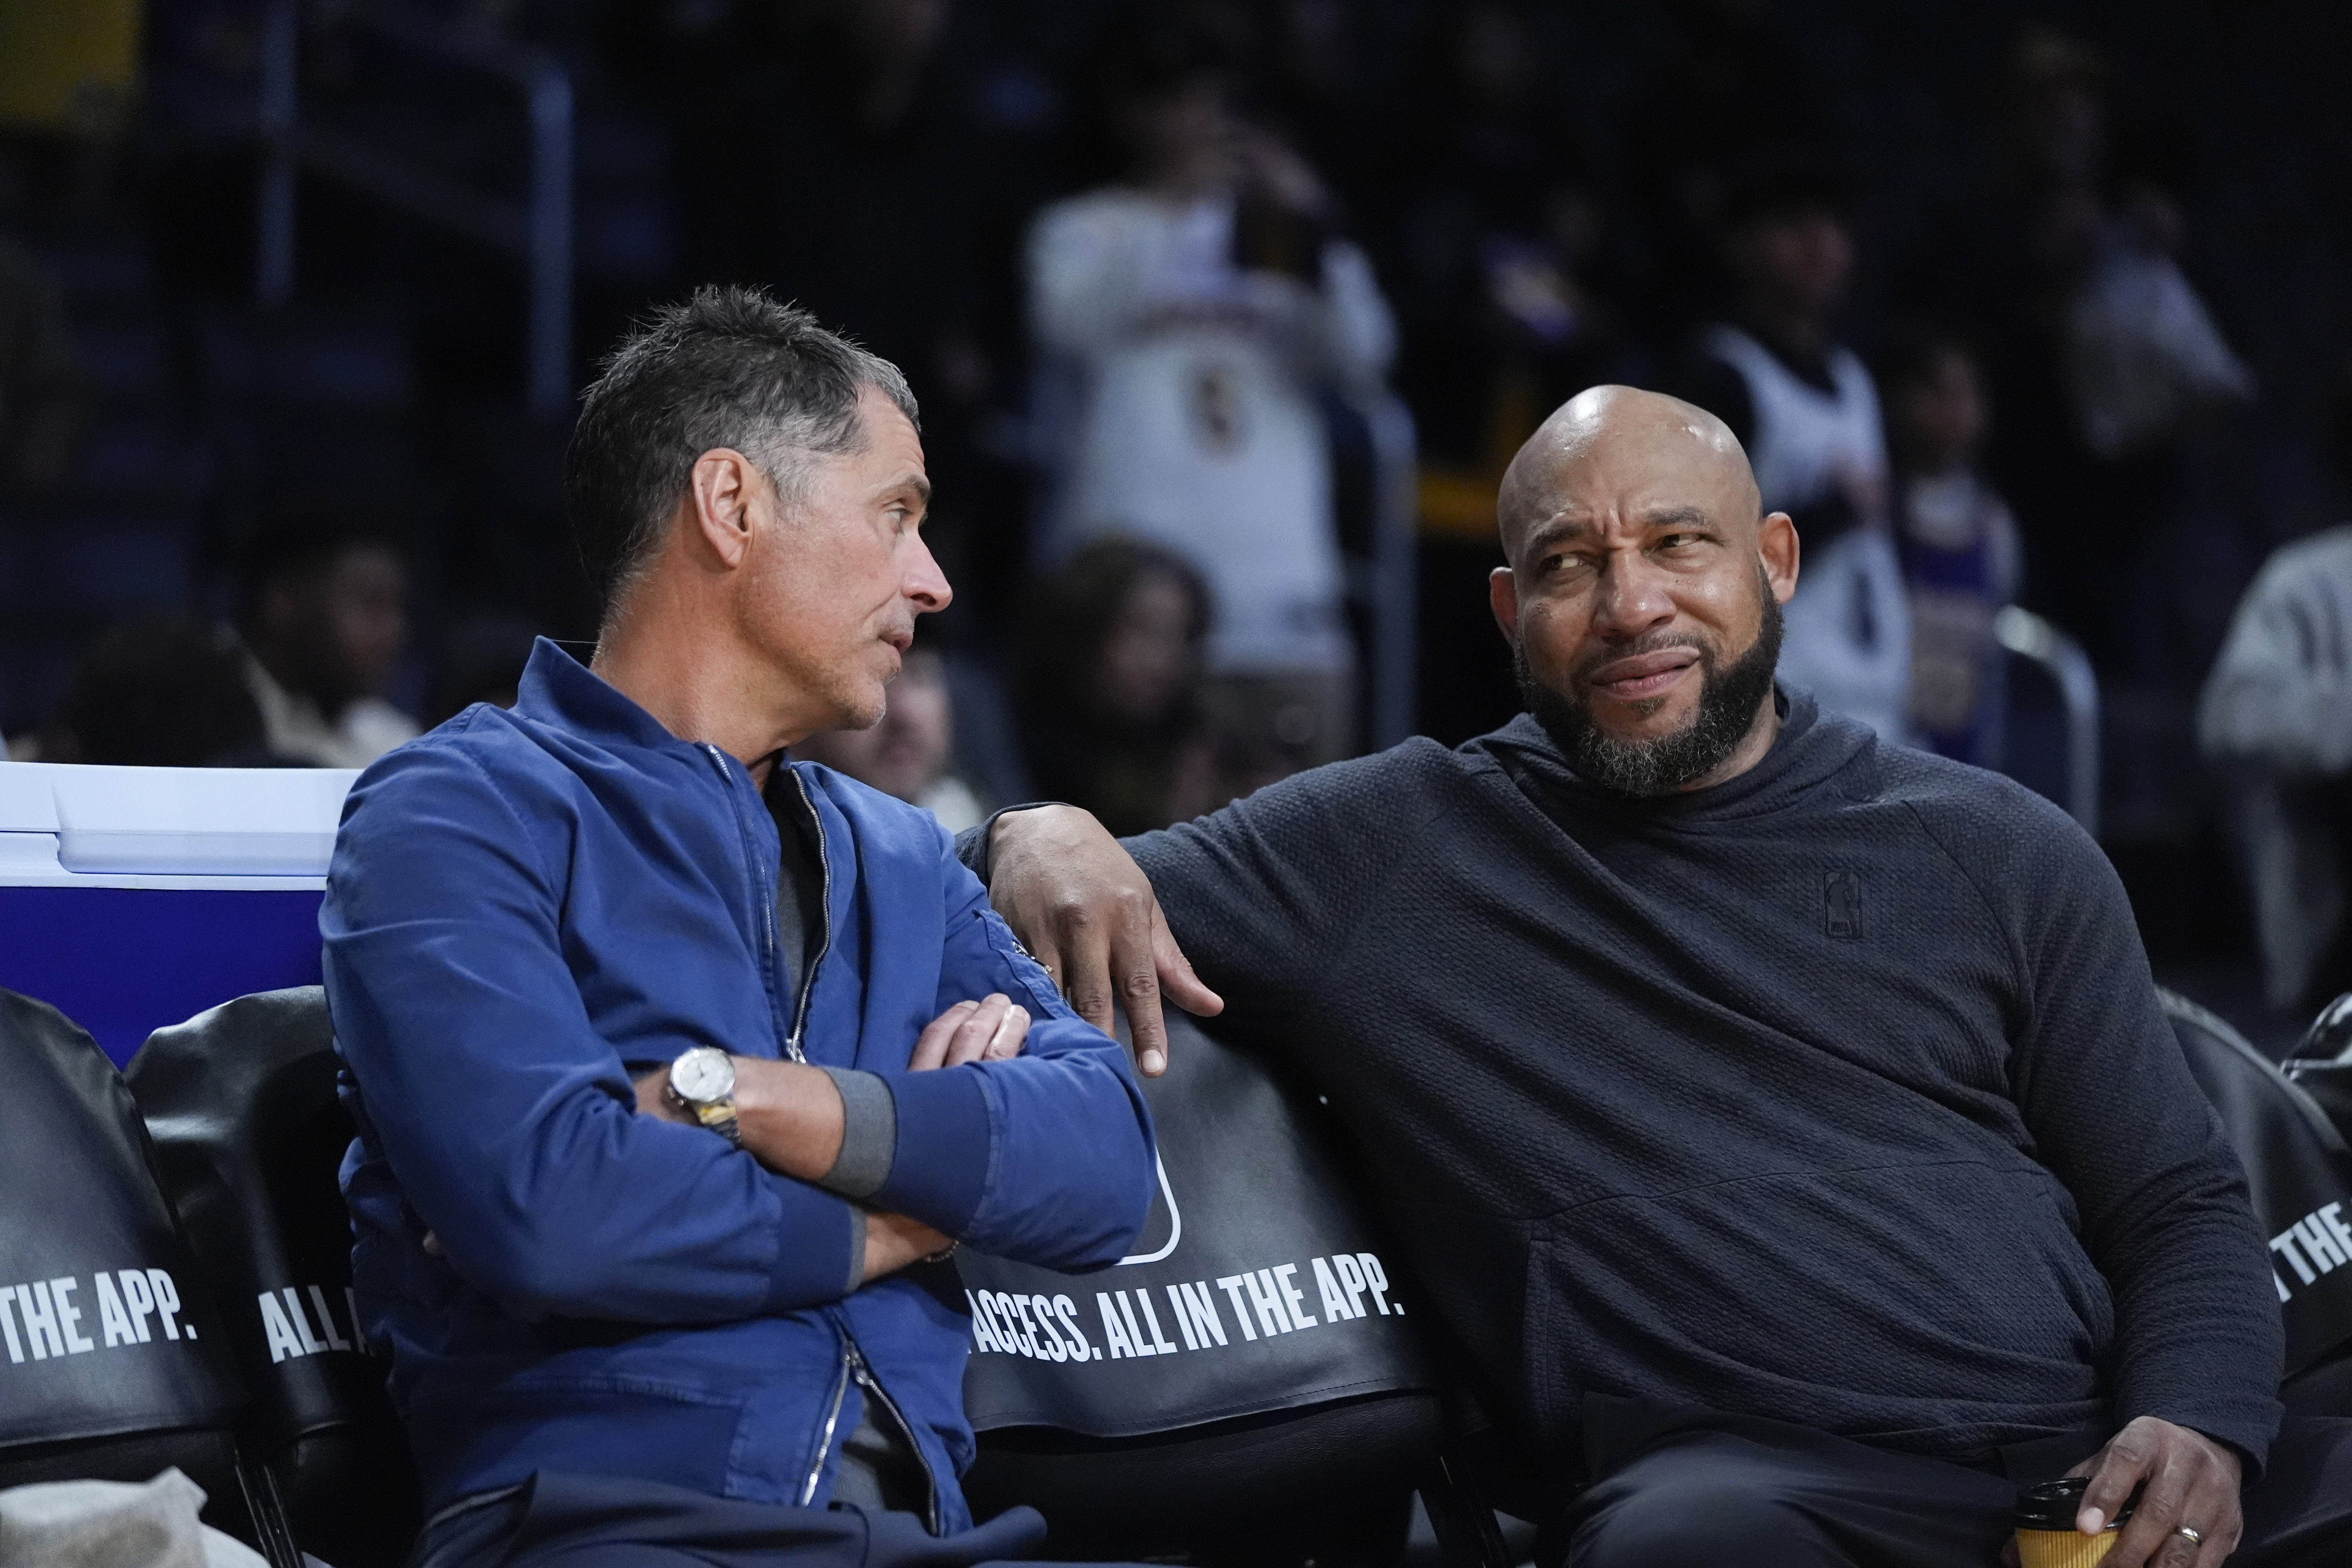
495, 1105
793, 1119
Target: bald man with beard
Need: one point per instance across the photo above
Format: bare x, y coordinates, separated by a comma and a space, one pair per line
1782, 1122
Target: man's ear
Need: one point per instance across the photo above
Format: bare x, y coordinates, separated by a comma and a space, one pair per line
720, 495
1503, 597
1776, 546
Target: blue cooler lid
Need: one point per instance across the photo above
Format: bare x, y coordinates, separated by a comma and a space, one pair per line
133, 898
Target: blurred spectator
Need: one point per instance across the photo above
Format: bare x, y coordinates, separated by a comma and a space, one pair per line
164, 693
1959, 546
1806, 410
909, 753
326, 623
2014, 261
1110, 697
41, 382
2142, 353
2107, 369
987, 739
1189, 318
2277, 713
1498, 237
2101, 229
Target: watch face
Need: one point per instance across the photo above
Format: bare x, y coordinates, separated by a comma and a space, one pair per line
703, 1076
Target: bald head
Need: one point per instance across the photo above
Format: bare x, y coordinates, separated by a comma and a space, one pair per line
1643, 591
1613, 444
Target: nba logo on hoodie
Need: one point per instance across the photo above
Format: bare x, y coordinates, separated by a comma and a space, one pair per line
1842, 906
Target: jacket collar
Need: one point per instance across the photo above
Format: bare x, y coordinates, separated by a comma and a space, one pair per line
558, 689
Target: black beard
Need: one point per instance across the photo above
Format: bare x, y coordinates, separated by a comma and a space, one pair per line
1728, 697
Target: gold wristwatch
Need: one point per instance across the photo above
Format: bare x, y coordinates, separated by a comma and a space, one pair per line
702, 1082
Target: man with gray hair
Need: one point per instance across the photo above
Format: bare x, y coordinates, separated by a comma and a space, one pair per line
679, 1065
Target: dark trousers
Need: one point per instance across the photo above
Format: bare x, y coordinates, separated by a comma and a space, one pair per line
1680, 1488
559, 1520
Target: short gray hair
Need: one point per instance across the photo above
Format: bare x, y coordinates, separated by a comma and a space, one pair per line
730, 367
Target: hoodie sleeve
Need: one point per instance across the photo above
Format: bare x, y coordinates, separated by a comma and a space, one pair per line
1265, 894
2103, 1086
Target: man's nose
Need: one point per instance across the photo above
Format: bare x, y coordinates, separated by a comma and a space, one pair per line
926, 584
1631, 598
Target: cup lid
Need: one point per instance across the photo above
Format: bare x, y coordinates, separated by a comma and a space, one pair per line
2052, 1505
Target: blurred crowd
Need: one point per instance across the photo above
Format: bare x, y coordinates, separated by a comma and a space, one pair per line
1168, 278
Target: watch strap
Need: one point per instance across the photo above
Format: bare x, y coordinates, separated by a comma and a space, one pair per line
718, 1115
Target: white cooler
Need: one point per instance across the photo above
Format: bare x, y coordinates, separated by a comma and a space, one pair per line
133, 898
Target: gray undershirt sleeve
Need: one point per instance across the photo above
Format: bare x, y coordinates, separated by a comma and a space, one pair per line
869, 1135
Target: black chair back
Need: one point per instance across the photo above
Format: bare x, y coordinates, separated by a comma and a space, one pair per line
249, 1137
1247, 1386
2299, 1170
2329, 1038
114, 1360
2321, 1064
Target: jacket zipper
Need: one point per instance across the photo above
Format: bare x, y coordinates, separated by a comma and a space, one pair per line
872, 1387
853, 1365
832, 1420
853, 1368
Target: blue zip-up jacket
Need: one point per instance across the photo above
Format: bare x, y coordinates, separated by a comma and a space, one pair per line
523, 901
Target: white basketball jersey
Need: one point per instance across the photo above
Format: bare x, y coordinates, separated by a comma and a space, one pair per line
1849, 628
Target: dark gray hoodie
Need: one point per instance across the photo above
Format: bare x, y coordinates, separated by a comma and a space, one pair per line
1837, 1093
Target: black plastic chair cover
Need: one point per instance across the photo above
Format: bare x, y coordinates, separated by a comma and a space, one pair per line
1259, 1283
249, 1136
105, 1327
2300, 1172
